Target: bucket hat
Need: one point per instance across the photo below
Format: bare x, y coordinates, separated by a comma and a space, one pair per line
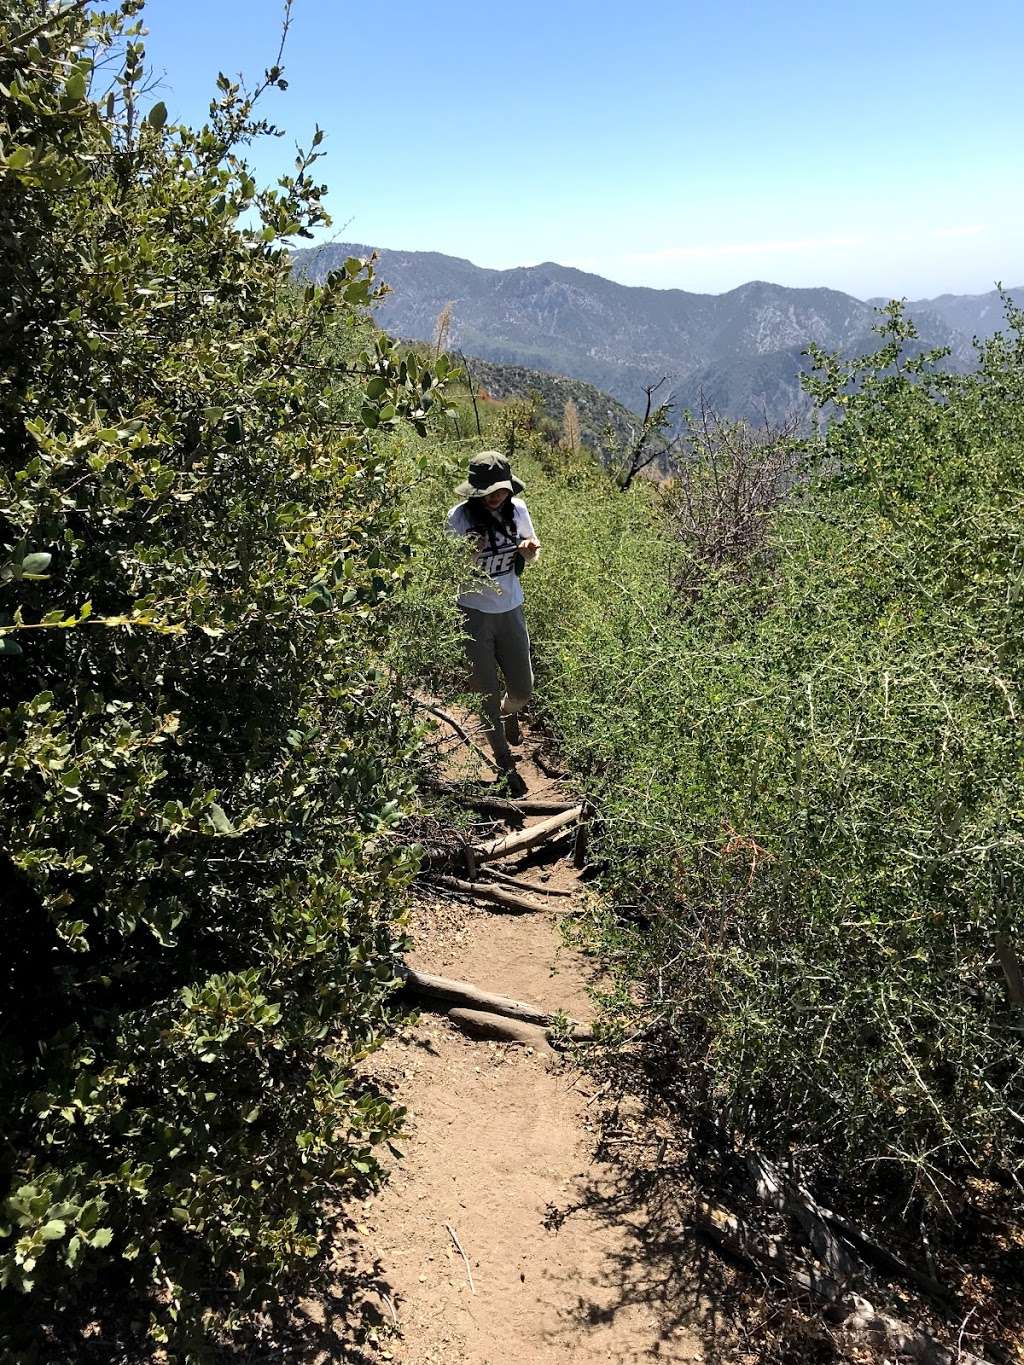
488, 472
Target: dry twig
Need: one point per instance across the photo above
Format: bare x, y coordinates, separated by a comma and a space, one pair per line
458, 1246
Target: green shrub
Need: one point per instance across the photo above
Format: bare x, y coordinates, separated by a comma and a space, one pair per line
201, 757
810, 777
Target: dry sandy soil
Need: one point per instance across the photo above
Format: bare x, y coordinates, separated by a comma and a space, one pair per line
499, 1164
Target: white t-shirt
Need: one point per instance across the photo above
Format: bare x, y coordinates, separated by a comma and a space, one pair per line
504, 592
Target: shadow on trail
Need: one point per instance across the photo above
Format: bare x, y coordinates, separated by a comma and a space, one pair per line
701, 1305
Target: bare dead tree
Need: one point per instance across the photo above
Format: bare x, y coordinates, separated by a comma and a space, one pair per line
732, 478
649, 442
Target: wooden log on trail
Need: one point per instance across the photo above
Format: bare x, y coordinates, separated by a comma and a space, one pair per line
482, 1024
851, 1311
526, 885
481, 891
450, 992
509, 844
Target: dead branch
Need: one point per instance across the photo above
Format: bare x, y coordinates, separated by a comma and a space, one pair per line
452, 992
458, 1245
798, 1201
509, 844
580, 845
497, 805
481, 891
774, 1190
459, 730
655, 420
526, 885
849, 1310
548, 768
885, 1259
481, 1024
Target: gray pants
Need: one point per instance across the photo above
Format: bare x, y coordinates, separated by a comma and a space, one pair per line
499, 639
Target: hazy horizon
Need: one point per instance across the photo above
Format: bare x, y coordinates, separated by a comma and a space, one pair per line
354, 239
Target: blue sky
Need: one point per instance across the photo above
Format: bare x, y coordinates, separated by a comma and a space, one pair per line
874, 147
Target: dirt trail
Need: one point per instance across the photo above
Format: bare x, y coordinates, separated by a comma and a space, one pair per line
501, 1153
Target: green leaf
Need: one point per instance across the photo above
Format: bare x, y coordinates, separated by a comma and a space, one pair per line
377, 387
9, 647
221, 823
55, 1228
157, 115
36, 563
75, 88
102, 1237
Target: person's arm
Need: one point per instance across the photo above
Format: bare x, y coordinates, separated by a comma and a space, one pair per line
529, 545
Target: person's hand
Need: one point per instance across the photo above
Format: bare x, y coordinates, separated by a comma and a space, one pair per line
528, 548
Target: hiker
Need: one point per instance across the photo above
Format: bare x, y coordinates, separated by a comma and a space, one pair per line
498, 526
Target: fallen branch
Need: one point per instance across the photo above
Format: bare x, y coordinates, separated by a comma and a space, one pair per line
773, 1189
580, 845
530, 806
548, 769
483, 1024
481, 891
498, 805
509, 844
887, 1260
455, 1238
526, 885
459, 730
851, 1311
801, 1204
464, 993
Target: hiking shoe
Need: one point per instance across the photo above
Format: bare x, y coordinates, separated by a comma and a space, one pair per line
513, 735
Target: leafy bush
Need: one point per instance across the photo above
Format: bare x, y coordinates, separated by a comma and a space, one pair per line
200, 755
810, 777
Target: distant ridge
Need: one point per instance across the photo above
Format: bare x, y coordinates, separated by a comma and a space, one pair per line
741, 349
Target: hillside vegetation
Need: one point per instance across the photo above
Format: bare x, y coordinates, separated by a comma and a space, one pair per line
808, 761
801, 731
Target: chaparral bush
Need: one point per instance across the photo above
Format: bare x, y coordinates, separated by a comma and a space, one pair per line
200, 754
809, 770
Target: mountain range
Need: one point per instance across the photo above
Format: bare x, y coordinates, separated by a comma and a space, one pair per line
741, 350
